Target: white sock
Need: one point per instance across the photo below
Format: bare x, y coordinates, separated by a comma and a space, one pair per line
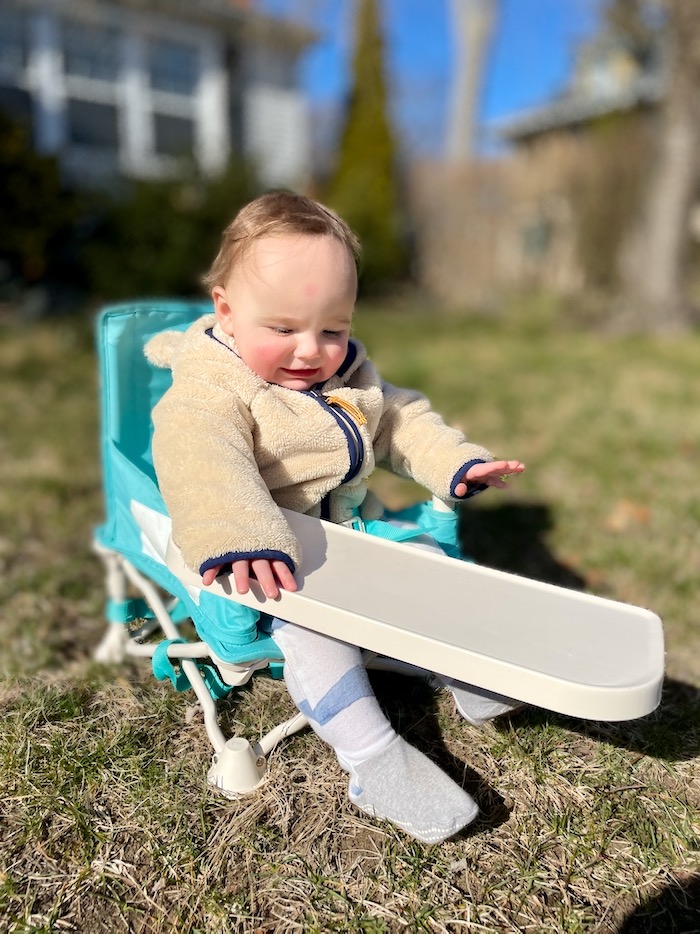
404, 786
328, 682
388, 778
476, 705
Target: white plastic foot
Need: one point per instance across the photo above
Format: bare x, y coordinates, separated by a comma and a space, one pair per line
236, 675
237, 769
112, 648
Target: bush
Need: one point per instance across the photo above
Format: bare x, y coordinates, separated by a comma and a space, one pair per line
160, 237
37, 214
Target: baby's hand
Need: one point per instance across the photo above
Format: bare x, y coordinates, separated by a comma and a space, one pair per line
271, 575
492, 474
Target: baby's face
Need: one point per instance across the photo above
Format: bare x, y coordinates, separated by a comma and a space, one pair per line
288, 305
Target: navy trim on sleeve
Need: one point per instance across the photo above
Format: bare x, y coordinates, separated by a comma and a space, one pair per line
472, 488
227, 560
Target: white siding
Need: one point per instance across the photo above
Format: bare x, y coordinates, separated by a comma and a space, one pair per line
213, 142
144, 118
45, 80
276, 133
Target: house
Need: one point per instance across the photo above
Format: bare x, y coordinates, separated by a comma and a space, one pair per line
609, 78
547, 213
131, 87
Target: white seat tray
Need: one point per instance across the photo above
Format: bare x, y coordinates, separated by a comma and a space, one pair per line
560, 649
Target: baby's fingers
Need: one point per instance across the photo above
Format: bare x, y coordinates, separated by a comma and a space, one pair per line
284, 576
510, 467
241, 576
500, 471
265, 576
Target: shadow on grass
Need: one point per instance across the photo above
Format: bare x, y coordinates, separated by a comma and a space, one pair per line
673, 910
671, 732
511, 537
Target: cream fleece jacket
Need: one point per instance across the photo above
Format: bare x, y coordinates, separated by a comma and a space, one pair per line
230, 449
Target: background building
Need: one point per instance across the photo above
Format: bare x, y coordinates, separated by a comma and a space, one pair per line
550, 212
131, 88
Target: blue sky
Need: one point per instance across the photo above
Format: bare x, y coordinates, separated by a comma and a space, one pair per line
531, 58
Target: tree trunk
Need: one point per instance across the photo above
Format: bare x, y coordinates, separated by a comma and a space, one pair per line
473, 26
653, 260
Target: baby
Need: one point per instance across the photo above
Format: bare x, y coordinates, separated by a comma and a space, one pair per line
274, 404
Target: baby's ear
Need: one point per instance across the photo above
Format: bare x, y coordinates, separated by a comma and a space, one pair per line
161, 349
222, 309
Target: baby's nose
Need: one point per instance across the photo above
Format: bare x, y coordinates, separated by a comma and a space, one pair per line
308, 346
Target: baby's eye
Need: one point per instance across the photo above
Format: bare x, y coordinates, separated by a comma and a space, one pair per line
332, 333
282, 330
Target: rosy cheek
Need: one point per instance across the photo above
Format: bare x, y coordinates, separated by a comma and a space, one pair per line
336, 358
260, 355
265, 351
270, 352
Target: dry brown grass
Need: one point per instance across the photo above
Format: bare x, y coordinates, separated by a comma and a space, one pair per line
106, 823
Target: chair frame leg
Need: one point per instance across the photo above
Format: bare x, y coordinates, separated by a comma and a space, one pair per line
238, 767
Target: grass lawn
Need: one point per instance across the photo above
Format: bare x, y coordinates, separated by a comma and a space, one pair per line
106, 823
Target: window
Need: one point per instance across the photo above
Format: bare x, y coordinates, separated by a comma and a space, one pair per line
93, 125
536, 237
90, 51
12, 42
174, 136
174, 67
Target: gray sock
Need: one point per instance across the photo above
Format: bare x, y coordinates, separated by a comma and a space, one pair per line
405, 787
476, 705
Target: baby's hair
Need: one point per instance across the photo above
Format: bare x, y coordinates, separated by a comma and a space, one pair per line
275, 214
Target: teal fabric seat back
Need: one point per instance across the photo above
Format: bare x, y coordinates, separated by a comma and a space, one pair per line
130, 386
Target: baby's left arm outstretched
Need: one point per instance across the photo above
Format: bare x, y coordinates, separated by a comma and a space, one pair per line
492, 473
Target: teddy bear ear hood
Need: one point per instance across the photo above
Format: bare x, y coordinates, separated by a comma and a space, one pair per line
162, 349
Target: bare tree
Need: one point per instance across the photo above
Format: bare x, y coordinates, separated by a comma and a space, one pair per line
653, 258
473, 26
